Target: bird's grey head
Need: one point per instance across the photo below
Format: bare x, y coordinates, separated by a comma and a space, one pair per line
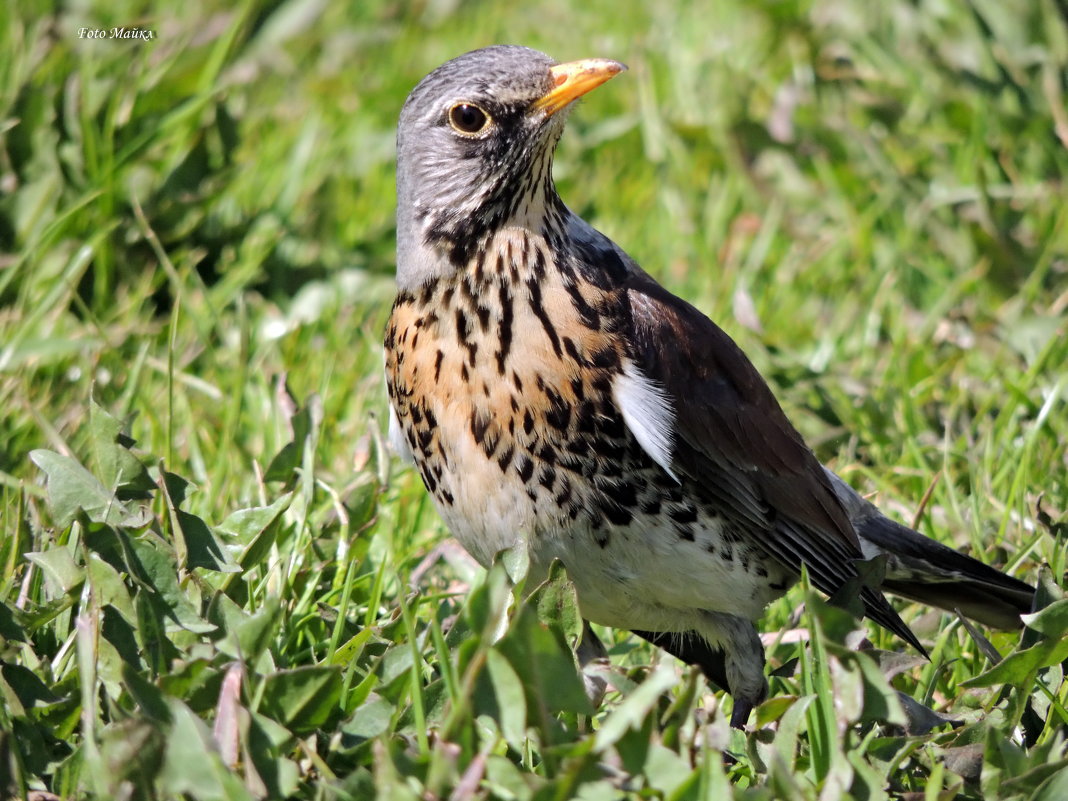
474, 151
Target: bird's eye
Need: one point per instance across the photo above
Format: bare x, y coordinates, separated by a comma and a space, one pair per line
467, 118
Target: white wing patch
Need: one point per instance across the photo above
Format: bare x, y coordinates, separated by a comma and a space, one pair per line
648, 413
397, 440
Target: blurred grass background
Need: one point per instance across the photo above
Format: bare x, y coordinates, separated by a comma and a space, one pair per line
197, 230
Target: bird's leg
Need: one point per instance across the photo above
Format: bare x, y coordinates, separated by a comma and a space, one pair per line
591, 649
743, 663
693, 649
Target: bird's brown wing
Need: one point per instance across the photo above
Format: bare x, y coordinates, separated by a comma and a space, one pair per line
735, 446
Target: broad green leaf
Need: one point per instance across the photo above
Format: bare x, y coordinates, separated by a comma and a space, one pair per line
516, 561
10, 628
201, 547
22, 690
789, 731
881, 702
132, 752
511, 702
370, 719
631, 713
1018, 666
1051, 621
148, 696
191, 763
547, 668
197, 682
302, 699
633, 745
1055, 788
305, 422
666, 770
121, 634
109, 588
117, 467
1047, 593
255, 529
72, 488
504, 779
772, 710
248, 635
264, 743
557, 604
158, 568
488, 603
59, 568
176, 487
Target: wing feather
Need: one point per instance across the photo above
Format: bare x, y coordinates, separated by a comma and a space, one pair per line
735, 446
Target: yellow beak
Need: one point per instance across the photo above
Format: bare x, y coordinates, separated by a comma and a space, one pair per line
576, 78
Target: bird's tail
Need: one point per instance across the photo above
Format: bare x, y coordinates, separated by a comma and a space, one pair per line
923, 570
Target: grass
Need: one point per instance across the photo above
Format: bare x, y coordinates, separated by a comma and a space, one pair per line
251, 601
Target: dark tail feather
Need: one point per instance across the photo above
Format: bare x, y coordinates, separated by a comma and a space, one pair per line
923, 570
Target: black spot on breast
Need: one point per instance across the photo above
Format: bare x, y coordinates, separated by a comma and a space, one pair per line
570, 349
615, 513
547, 477
547, 454
559, 414
685, 515
426, 436
534, 293
612, 426
479, 423
504, 326
587, 313
505, 459
587, 417
623, 493
525, 468
609, 449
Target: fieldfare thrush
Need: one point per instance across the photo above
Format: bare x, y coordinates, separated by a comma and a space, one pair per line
553, 396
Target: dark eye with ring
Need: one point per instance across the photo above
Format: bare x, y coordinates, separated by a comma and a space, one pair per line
467, 118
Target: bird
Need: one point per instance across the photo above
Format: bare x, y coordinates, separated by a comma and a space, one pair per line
554, 397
